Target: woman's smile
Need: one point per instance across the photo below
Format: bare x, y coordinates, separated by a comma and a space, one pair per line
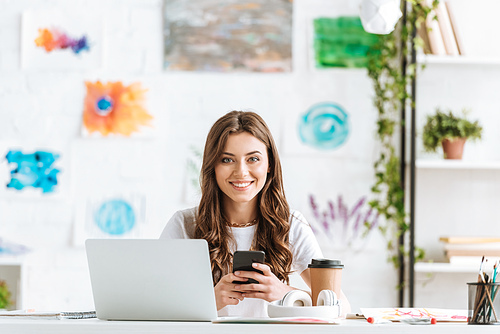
241, 185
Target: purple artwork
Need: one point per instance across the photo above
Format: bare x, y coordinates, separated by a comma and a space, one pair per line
343, 226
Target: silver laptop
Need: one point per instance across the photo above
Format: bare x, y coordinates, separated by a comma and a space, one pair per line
151, 279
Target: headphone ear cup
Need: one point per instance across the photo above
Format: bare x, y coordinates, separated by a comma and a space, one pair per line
327, 298
296, 298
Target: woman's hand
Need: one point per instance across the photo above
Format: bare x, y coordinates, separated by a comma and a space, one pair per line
225, 292
270, 288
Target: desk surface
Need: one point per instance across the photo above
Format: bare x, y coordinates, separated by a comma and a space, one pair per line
350, 326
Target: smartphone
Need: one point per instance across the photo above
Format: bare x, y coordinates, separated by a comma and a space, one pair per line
242, 261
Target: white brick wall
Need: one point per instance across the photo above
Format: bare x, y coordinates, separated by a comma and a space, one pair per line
44, 108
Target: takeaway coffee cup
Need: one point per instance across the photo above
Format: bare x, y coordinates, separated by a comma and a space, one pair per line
326, 274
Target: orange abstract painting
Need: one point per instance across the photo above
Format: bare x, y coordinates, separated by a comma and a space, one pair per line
112, 108
54, 39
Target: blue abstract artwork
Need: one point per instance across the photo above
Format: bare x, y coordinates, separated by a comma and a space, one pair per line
115, 217
324, 125
33, 170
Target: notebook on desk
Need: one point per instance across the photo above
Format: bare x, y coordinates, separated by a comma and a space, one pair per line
146, 279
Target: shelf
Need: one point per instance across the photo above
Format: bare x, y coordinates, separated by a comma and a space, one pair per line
465, 60
425, 267
11, 261
457, 164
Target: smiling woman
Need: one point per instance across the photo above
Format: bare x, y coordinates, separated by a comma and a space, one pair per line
242, 172
243, 207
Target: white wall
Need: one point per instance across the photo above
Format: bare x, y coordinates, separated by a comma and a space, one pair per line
43, 109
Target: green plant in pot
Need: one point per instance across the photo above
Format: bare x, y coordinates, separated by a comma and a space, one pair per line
450, 131
4, 295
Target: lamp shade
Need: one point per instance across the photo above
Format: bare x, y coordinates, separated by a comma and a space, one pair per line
379, 16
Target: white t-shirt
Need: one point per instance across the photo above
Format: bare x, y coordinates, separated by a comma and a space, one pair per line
303, 246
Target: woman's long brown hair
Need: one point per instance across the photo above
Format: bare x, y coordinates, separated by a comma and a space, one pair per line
273, 212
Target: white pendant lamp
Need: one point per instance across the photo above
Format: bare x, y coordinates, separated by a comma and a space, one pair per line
379, 16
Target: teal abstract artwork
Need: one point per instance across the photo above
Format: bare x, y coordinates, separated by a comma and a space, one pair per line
33, 170
115, 217
325, 126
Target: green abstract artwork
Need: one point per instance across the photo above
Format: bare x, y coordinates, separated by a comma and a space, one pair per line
341, 42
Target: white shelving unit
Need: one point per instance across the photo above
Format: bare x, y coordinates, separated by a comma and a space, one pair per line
454, 194
12, 272
453, 60
442, 164
428, 267
457, 164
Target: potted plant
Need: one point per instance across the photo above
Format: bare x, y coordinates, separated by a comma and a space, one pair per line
4, 295
450, 131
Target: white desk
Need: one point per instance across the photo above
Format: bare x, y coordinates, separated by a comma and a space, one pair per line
28, 326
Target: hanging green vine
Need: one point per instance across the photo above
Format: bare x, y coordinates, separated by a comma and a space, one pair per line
391, 91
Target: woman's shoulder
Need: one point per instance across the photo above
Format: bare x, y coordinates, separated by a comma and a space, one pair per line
299, 226
302, 241
181, 224
186, 215
297, 219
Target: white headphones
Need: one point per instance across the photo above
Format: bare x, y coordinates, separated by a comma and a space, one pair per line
302, 298
327, 298
296, 298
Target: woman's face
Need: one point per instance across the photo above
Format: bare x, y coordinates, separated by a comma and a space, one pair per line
242, 168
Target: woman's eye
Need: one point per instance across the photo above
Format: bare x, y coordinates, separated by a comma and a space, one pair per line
254, 159
226, 160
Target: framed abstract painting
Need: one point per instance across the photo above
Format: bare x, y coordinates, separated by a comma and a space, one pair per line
228, 36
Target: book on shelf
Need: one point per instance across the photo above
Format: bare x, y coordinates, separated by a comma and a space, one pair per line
472, 252
434, 33
469, 240
446, 29
440, 32
422, 32
476, 246
455, 27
